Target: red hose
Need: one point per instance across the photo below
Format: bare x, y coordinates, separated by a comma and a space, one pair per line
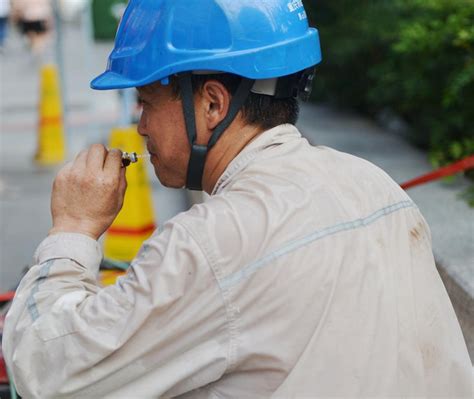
460, 166
7, 296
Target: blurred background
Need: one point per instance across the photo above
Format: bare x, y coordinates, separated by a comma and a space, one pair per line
49, 53
408, 64
396, 87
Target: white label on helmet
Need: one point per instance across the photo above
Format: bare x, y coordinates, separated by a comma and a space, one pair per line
295, 5
302, 15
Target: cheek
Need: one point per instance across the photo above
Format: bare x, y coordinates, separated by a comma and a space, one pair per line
172, 132
165, 129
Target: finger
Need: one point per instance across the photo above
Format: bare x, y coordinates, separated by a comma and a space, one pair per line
122, 186
64, 172
67, 166
123, 181
113, 163
96, 157
80, 160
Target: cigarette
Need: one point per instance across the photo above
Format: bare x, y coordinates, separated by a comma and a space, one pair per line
128, 158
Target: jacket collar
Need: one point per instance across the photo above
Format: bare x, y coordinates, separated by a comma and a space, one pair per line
277, 135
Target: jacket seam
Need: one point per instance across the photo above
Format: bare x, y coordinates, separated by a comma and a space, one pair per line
293, 245
230, 319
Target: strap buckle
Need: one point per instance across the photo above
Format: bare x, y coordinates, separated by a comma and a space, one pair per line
196, 167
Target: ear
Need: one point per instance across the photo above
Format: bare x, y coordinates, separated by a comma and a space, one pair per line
215, 103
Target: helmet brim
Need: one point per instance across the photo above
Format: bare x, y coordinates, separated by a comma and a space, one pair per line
110, 80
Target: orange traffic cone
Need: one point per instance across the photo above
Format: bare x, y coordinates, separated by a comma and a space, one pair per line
51, 148
135, 222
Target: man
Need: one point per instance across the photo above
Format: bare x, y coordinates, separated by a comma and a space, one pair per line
308, 272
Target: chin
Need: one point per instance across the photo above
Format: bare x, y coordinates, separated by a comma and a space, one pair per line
170, 181
173, 185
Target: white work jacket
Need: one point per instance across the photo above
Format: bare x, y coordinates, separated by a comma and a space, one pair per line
307, 274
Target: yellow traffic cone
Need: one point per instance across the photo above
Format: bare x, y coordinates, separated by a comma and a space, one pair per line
109, 277
51, 144
135, 222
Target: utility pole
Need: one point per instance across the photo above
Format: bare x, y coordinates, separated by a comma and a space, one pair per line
59, 57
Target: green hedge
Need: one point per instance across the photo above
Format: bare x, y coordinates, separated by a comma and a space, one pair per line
414, 57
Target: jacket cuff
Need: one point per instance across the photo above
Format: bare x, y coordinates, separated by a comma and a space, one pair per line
79, 247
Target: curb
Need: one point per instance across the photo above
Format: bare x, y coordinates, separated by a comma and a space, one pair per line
463, 304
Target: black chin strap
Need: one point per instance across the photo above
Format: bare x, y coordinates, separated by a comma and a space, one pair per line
199, 152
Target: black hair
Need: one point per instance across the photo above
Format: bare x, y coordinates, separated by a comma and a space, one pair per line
260, 110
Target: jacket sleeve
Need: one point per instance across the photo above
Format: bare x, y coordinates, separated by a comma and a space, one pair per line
161, 330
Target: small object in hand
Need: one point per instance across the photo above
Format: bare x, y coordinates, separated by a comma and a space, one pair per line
128, 158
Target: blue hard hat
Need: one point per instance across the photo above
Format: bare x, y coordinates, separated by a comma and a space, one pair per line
256, 39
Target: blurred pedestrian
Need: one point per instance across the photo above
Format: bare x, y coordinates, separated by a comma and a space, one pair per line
4, 14
34, 19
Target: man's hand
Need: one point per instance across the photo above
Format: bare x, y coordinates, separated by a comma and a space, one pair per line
88, 192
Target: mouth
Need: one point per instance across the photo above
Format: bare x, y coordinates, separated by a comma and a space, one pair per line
150, 151
153, 157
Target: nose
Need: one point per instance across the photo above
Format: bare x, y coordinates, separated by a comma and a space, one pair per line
141, 128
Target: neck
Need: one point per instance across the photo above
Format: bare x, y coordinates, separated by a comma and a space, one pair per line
232, 142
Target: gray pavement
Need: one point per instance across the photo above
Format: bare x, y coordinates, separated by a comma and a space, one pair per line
25, 188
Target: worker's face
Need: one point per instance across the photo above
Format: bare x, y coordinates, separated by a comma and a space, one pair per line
163, 127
